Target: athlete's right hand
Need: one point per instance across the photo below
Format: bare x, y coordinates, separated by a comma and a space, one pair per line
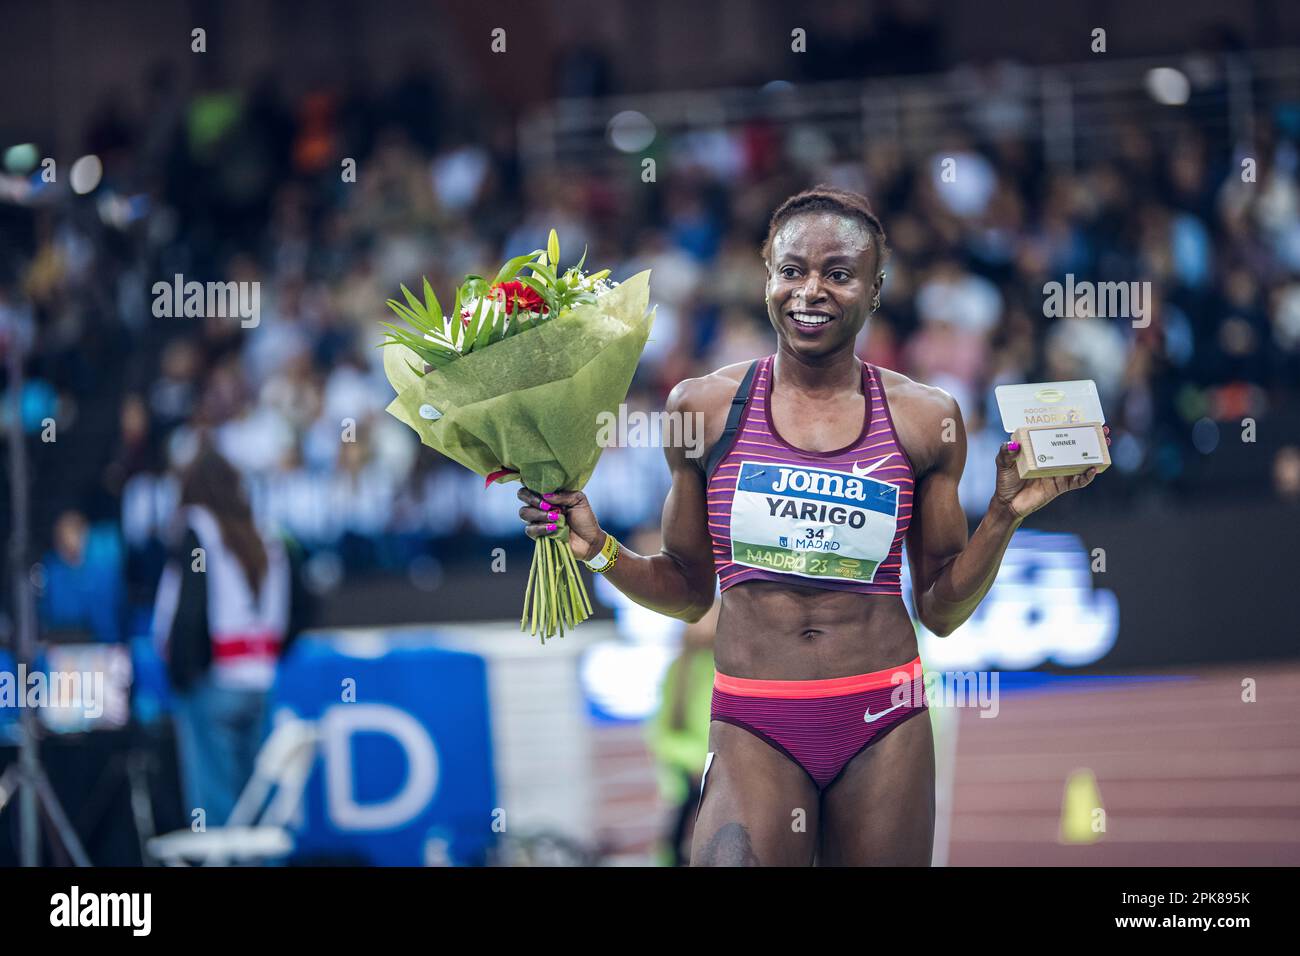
540, 518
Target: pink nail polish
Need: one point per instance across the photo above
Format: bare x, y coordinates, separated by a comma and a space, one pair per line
552, 515
551, 526
546, 504
1013, 446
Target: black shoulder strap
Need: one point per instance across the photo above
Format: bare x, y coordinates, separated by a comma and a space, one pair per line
719, 451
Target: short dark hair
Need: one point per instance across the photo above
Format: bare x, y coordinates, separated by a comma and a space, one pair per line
825, 198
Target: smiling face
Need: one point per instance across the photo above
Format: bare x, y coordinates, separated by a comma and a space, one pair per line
822, 276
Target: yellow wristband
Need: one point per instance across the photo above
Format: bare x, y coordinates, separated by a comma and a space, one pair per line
606, 557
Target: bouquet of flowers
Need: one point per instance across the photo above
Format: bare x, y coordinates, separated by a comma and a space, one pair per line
511, 383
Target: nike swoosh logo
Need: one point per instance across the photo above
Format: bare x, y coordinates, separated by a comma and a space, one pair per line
863, 472
871, 718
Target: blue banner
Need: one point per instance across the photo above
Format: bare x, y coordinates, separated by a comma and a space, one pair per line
404, 772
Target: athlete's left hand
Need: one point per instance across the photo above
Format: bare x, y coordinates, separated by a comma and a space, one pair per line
1024, 496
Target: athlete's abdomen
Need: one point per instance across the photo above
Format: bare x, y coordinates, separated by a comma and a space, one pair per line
772, 630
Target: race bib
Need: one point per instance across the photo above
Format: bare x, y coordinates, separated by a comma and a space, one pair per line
812, 522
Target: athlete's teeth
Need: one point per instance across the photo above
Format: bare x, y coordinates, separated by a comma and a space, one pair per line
805, 319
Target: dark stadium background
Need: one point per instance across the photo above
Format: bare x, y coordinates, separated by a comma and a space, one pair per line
226, 165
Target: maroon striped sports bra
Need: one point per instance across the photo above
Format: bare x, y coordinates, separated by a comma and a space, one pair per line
833, 519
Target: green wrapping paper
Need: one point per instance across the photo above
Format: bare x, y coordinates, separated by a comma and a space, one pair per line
532, 402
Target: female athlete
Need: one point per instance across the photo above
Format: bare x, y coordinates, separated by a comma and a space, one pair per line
819, 466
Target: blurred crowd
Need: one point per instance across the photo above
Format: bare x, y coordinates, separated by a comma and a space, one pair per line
249, 185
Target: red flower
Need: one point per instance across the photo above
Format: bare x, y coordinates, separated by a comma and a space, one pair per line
518, 295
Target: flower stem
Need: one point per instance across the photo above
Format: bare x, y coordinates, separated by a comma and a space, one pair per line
555, 599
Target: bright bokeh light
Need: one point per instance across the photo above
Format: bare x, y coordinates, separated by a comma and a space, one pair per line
20, 159
1168, 86
630, 131
86, 173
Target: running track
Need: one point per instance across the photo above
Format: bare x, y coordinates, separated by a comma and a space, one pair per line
1188, 773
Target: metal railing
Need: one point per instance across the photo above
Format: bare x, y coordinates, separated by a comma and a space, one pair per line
1077, 112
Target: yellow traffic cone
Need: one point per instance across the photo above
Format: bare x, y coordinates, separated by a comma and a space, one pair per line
1083, 818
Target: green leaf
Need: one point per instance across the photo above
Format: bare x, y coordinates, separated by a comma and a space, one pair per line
411, 340
436, 337
482, 317
519, 322
544, 272
431, 305
486, 328
403, 335
410, 317
416, 305
458, 333
473, 332
511, 268
455, 310
582, 260
426, 354
438, 360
